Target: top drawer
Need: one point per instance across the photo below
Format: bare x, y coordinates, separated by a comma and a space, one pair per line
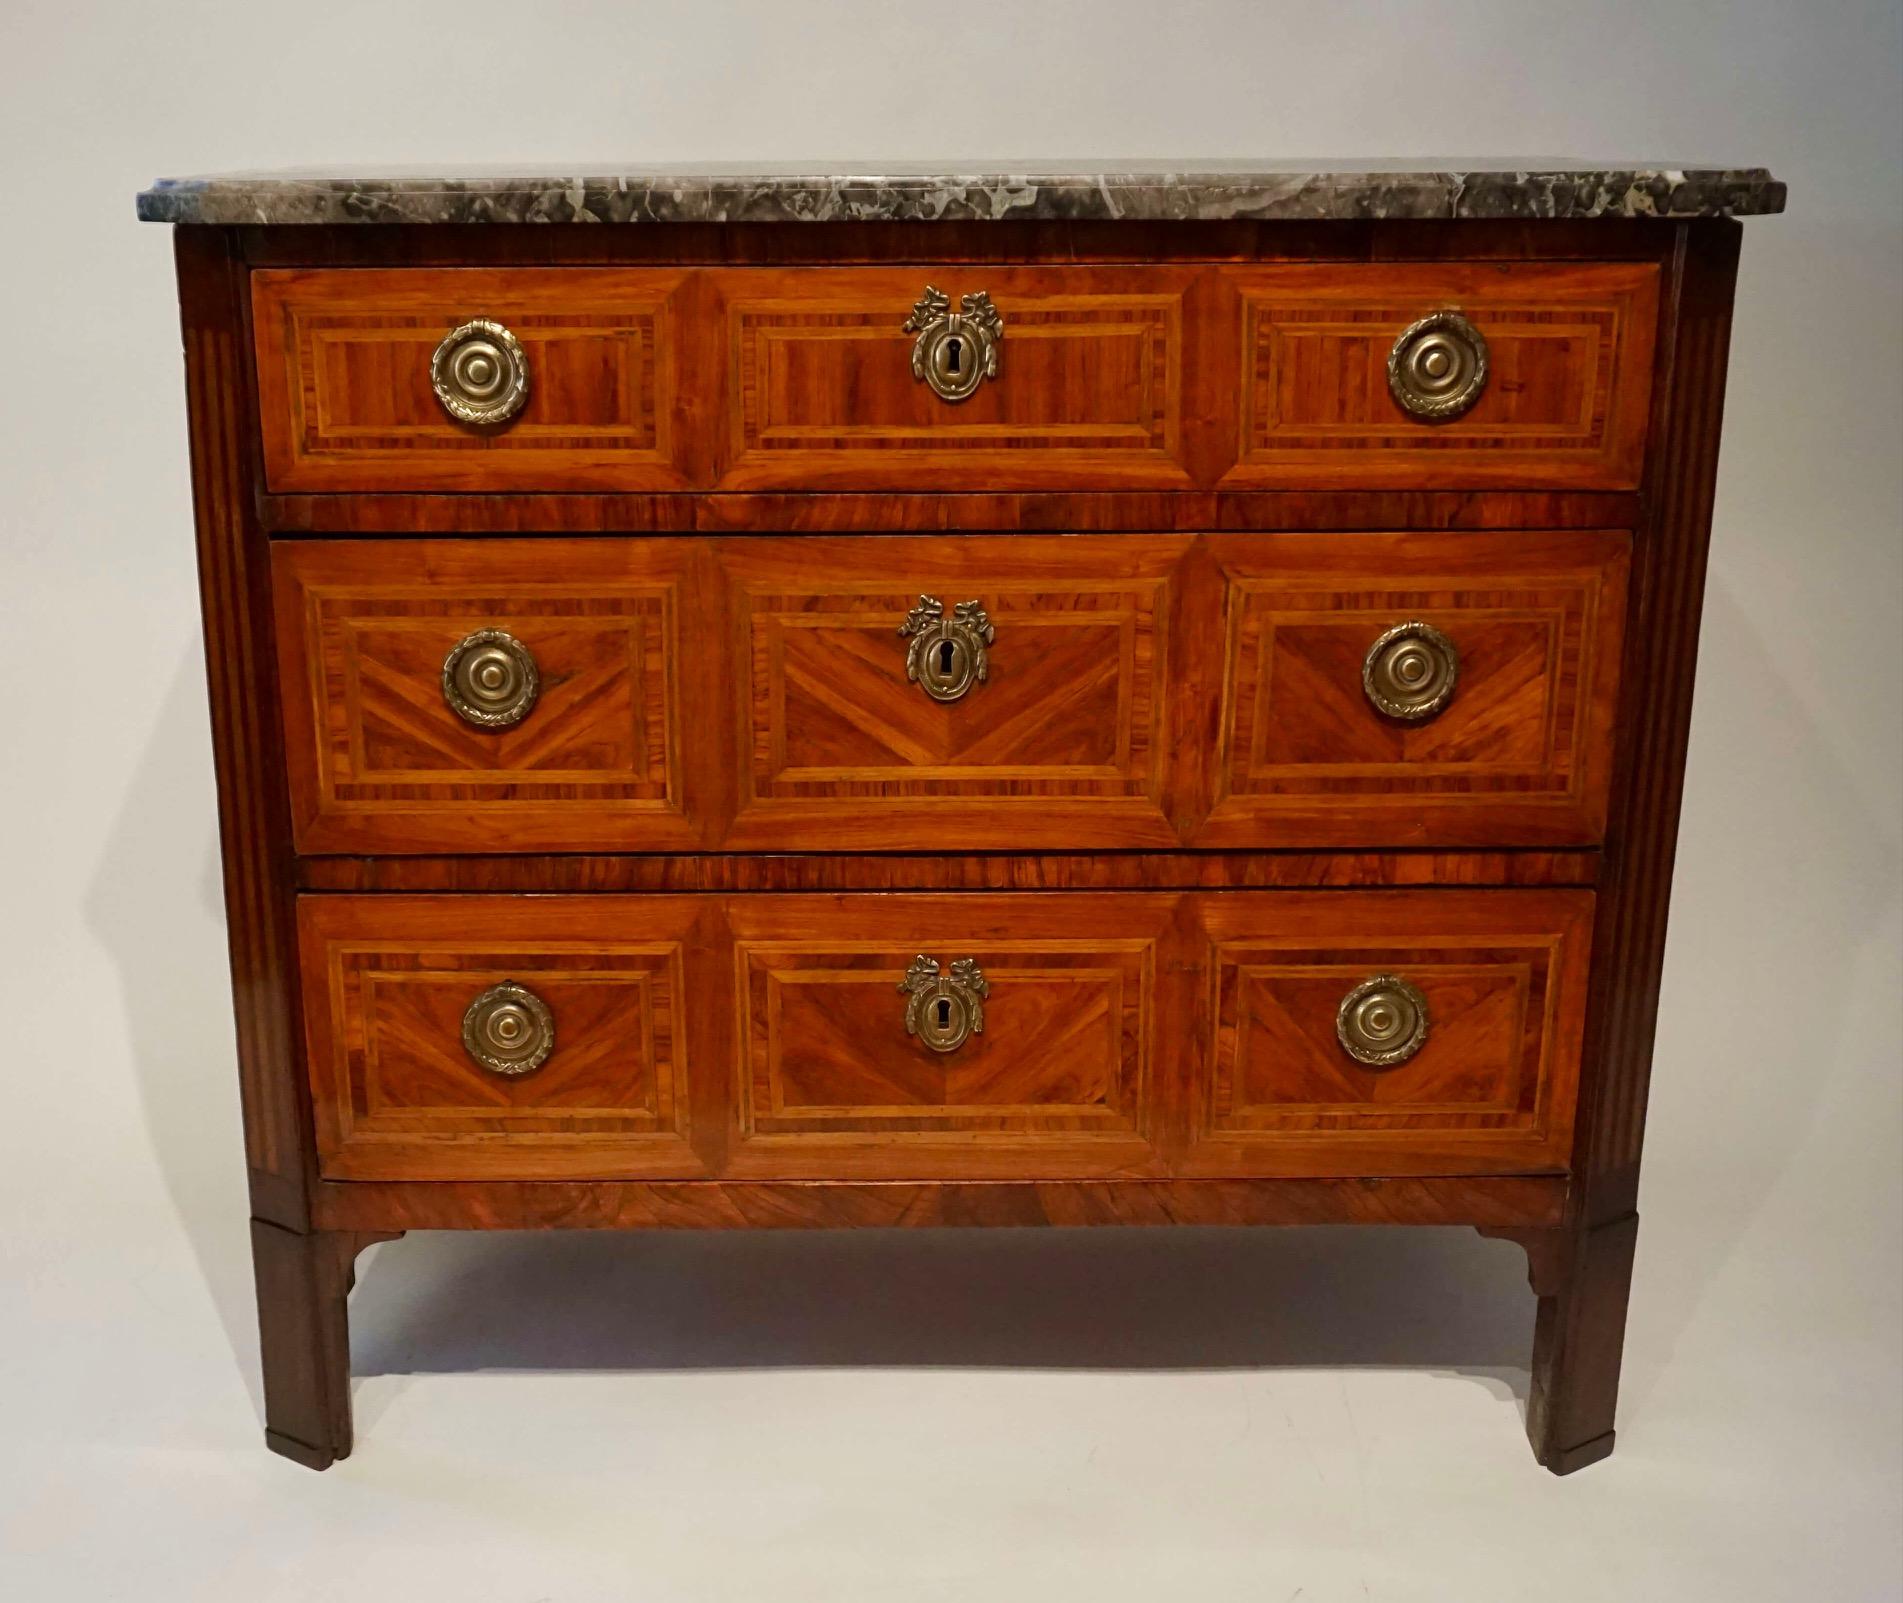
1317, 375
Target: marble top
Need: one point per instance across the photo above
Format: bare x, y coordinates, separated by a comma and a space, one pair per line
976, 192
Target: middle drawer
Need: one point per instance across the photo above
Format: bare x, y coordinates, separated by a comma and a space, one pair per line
950, 693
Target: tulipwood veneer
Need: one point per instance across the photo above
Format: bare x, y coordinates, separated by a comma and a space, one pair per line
1169, 825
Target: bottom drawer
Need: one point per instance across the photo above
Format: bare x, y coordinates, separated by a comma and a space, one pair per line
1053, 1035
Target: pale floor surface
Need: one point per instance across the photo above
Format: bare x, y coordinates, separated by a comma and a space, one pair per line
978, 1417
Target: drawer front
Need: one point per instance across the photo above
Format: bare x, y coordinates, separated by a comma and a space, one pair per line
1028, 705
839, 999
390, 984
950, 694
1564, 401
1054, 1035
1498, 977
345, 389
1091, 374
601, 758
1326, 740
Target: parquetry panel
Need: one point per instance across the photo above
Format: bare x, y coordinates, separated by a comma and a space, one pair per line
1061, 1077
821, 390
1065, 740
1569, 355
387, 982
380, 760
1492, 1088
344, 378
1522, 753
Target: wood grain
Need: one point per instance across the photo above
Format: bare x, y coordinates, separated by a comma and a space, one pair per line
953, 240
907, 512
1115, 1023
1060, 1083
253, 812
1521, 755
1063, 744
343, 362
1023, 871
1198, 430
819, 389
1581, 1327
1493, 1088
605, 760
1527, 1201
396, 1095
792, 724
1570, 352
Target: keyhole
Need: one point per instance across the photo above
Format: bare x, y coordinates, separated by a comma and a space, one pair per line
952, 348
944, 1014
947, 653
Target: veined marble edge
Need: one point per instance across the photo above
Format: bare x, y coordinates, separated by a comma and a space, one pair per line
1189, 195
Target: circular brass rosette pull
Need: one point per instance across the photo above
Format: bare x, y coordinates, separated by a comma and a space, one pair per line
490, 679
947, 656
509, 1029
944, 1009
480, 374
1382, 1021
1410, 671
1438, 366
957, 351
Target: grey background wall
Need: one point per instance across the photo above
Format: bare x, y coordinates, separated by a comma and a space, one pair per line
1014, 1417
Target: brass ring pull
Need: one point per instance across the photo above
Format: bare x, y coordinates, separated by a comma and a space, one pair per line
1438, 366
490, 679
944, 1009
480, 374
1382, 1021
957, 351
947, 656
509, 1029
1410, 671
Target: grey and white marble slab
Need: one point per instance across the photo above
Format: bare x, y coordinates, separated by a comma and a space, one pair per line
978, 192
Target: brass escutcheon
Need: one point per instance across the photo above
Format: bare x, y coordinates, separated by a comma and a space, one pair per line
479, 373
957, 351
947, 656
509, 1029
490, 679
1438, 366
1382, 1021
1410, 671
944, 1009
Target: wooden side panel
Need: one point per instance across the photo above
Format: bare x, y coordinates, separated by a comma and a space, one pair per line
1520, 756
253, 812
387, 981
344, 378
1493, 1088
1064, 742
1655, 716
379, 761
1059, 1083
820, 390
1570, 355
